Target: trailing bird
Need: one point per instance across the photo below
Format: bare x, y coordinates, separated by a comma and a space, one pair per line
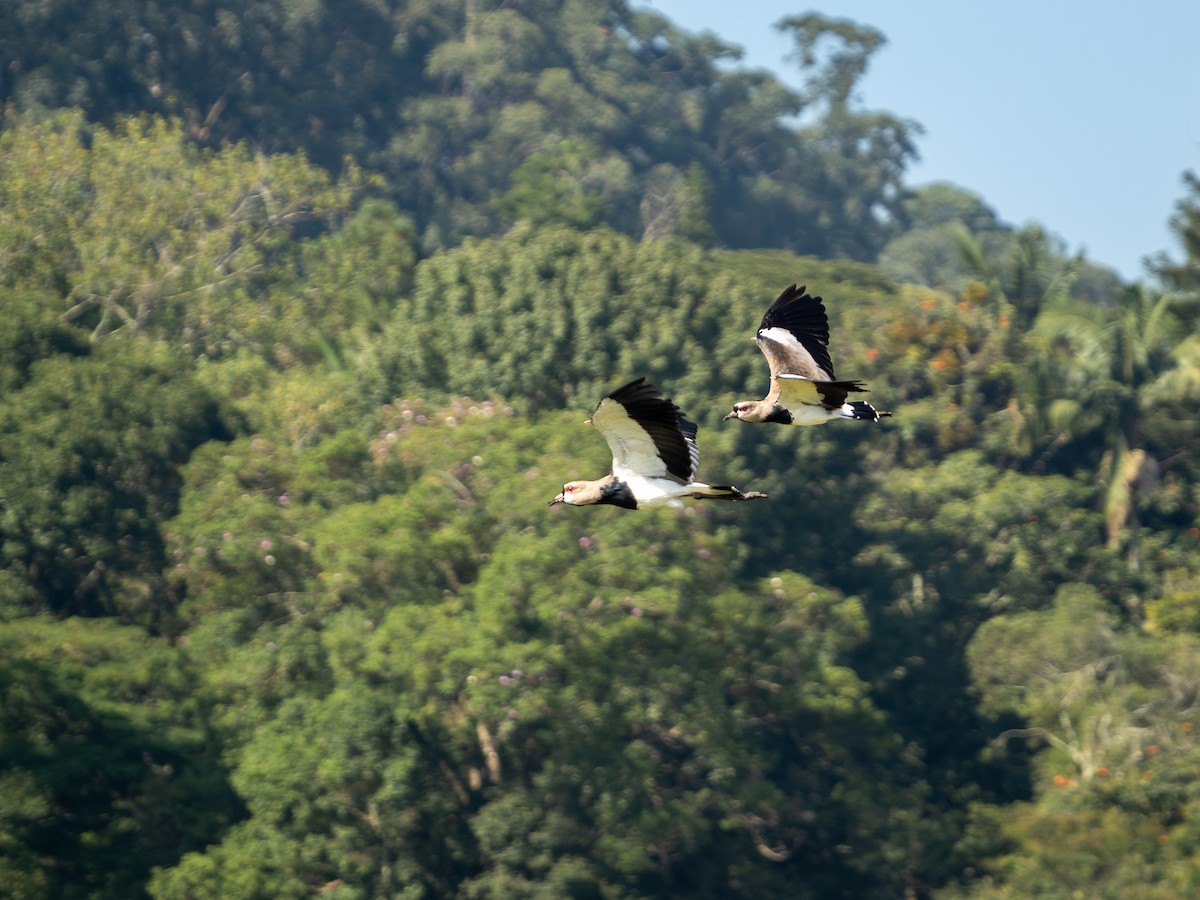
654, 455
794, 337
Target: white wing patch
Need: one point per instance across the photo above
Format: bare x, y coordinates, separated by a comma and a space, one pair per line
786, 354
633, 450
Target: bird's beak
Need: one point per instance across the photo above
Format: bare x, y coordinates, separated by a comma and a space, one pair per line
561, 498
587, 421
728, 416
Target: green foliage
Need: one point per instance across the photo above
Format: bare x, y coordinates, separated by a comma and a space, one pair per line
353, 276
930, 251
89, 450
506, 659
29, 331
296, 476
553, 187
107, 763
585, 112
137, 230
1111, 374
1180, 275
424, 681
540, 315
1113, 708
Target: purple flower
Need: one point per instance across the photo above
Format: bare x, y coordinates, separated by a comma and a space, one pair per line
585, 542
636, 611
284, 499
266, 543
504, 679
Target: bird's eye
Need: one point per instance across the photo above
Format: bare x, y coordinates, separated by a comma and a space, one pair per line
567, 489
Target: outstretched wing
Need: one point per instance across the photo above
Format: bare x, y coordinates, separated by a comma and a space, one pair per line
796, 392
647, 434
794, 336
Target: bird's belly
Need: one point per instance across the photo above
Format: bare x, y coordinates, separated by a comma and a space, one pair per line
654, 491
803, 414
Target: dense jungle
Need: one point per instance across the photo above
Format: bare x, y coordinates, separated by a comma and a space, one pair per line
305, 305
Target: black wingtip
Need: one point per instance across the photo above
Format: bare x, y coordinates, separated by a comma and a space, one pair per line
639, 387
863, 410
792, 294
804, 316
674, 435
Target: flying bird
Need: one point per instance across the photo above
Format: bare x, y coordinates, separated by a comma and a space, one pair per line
654, 455
794, 337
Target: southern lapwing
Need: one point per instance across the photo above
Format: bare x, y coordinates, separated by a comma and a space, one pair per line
654, 455
794, 337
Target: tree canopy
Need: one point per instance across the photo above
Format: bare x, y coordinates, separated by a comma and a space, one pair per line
284, 395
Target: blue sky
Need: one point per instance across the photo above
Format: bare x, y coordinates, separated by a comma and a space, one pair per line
1079, 115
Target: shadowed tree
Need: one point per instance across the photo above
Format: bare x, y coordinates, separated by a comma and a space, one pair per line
1183, 276
1124, 380
89, 456
108, 766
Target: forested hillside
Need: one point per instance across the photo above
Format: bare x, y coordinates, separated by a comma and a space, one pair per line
305, 305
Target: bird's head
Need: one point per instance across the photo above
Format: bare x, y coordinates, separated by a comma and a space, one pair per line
572, 494
739, 410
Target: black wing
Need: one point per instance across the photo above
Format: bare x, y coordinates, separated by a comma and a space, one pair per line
647, 433
794, 336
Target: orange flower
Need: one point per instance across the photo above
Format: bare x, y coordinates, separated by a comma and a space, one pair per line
1062, 780
1188, 726
938, 364
872, 353
1004, 320
1151, 749
928, 303
1102, 771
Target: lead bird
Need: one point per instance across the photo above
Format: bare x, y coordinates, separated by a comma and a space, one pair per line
794, 337
654, 455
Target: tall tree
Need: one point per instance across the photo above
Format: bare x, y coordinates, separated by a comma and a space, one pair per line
466, 106
1183, 276
108, 763
89, 456
867, 149
1126, 378
138, 230
1109, 711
